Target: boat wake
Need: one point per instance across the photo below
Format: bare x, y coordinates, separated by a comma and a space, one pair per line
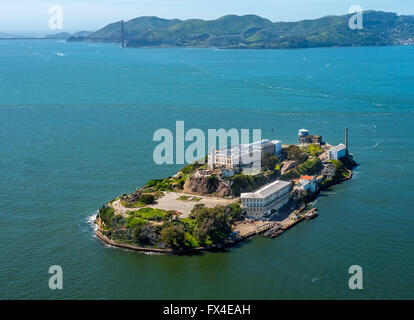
376, 144
319, 278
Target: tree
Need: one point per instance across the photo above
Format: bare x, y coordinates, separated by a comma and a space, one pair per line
269, 161
147, 198
144, 235
295, 153
212, 223
173, 236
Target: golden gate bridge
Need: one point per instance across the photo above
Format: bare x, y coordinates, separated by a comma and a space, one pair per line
121, 39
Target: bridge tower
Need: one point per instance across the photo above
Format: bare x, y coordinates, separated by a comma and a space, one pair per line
122, 34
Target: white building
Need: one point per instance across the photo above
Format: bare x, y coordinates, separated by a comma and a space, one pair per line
337, 152
278, 146
270, 197
243, 155
307, 183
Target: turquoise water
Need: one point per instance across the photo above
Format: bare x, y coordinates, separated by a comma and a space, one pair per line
76, 130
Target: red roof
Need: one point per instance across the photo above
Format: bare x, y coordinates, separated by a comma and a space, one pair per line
310, 178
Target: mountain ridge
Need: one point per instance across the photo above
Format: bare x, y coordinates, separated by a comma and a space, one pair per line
252, 31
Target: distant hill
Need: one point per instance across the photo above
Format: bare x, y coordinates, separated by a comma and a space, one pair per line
251, 31
65, 35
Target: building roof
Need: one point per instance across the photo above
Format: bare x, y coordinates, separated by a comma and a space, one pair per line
266, 190
238, 150
337, 148
310, 178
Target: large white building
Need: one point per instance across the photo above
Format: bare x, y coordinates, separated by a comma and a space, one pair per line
270, 197
337, 152
242, 155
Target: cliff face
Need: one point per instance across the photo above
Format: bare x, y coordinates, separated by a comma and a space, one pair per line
214, 185
207, 185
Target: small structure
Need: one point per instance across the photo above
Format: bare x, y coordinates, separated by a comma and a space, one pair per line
337, 152
329, 171
278, 146
306, 138
307, 183
268, 198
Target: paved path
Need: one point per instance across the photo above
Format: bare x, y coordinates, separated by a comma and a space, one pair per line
169, 202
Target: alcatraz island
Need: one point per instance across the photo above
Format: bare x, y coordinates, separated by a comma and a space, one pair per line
215, 205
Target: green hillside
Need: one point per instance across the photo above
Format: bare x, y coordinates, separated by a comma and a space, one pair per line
251, 31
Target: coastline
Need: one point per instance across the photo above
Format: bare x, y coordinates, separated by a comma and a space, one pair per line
230, 242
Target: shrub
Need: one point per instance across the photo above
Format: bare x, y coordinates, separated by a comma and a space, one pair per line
312, 149
295, 153
147, 198
144, 235
173, 236
135, 221
106, 215
190, 241
150, 214
269, 162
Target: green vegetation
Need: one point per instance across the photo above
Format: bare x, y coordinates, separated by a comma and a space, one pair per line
172, 183
245, 183
312, 150
144, 235
139, 201
160, 185
251, 31
190, 169
106, 214
294, 153
133, 221
204, 227
138, 204
213, 225
341, 171
309, 167
173, 236
185, 198
151, 214
269, 162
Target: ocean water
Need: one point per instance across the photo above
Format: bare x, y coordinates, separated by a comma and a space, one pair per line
76, 126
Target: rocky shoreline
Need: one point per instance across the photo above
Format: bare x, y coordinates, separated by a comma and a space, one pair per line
271, 231
199, 210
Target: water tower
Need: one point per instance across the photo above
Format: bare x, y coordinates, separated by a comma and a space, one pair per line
303, 136
303, 133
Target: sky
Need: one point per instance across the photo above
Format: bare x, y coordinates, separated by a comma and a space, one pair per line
32, 16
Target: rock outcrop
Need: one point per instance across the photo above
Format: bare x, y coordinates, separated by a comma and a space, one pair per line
207, 185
